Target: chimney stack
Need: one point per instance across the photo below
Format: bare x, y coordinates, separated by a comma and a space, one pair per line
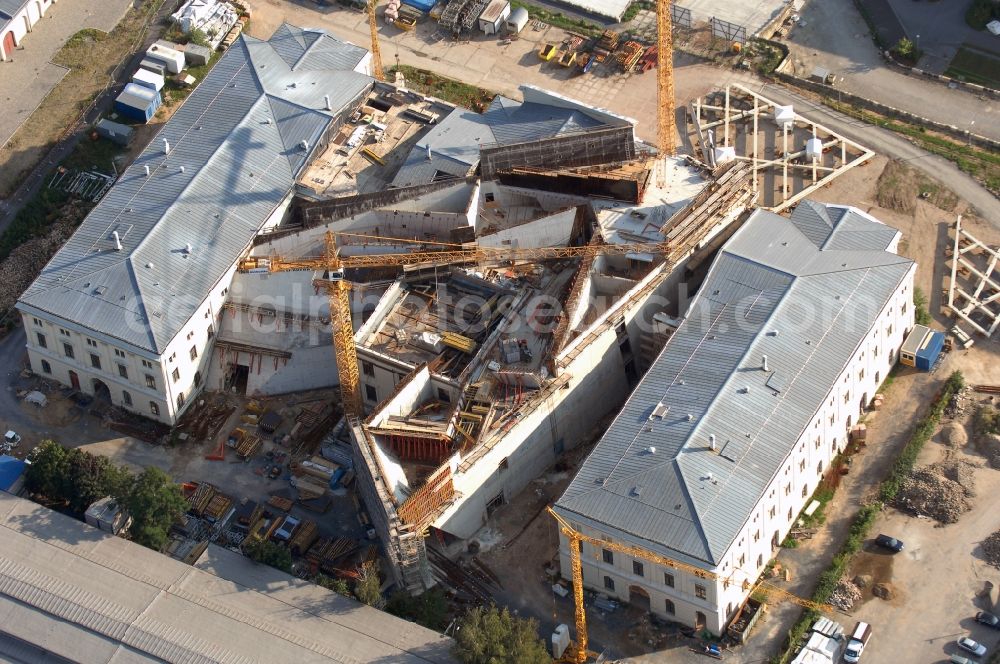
763, 364
711, 441
118, 240
146, 170
326, 103
166, 146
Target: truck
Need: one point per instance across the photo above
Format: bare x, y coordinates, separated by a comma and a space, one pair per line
856, 644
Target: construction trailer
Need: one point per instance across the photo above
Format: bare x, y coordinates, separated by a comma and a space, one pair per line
137, 102
494, 17
922, 348
107, 515
114, 131
148, 79
517, 20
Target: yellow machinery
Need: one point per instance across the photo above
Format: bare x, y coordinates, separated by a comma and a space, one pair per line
575, 537
339, 288
377, 70
548, 51
665, 77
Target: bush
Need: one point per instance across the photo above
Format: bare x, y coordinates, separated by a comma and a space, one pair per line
269, 553
491, 636
368, 589
429, 609
921, 315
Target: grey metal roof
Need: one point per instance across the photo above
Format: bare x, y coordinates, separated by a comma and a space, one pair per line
10, 7
238, 139
88, 596
456, 140
770, 277
137, 96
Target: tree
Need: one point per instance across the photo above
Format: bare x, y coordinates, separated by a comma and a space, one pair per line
905, 49
493, 636
198, 36
368, 589
154, 503
429, 609
48, 467
89, 477
338, 586
269, 553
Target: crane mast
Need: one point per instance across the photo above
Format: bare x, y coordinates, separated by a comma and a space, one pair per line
377, 70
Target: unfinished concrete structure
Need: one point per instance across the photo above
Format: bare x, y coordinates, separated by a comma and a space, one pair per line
791, 156
974, 288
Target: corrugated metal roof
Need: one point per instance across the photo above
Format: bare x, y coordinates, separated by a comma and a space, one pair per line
237, 138
709, 382
10, 7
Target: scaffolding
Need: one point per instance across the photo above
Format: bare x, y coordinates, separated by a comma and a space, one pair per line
590, 147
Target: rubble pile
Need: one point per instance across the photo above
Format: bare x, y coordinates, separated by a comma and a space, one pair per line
845, 595
960, 472
989, 446
20, 268
991, 549
927, 492
953, 434
959, 403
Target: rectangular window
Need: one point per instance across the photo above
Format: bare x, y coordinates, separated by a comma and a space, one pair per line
669, 607
68, 351
126, 398
443, 395
41, 340
153, 408
119, 353
756, 536
63, 332
180, 401
150, 382
46, 367
211, 332
609, 583
370, 393
194, 353
95, 361
668, 579
637, 568
608, 556
700, 591
367, 368
176, 375
37, 322
147, 364
123, 371
504, 464
91, 343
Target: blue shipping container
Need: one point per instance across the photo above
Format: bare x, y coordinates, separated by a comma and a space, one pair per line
928, 353
422, 5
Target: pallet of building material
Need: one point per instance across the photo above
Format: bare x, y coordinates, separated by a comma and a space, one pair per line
218, 507
458, 342
306, 534
249, 418
309, 488
280, 503
201, 497
319, 505
249, 446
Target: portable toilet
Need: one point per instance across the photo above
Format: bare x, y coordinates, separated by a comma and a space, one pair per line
517, 20
137, 103
148, 79
560, 641
114, 131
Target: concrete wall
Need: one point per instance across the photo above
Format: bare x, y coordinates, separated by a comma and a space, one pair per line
554, 230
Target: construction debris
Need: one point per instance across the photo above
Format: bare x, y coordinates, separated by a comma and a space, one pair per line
954, 434
845, 595
932, 492
883, 591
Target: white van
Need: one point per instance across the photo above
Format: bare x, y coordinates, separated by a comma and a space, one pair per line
856, 644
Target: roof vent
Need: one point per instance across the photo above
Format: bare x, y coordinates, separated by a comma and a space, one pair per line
182, 169
637, 491
326, 103
149, 266
304, 145
773, 333
763, 363
117, 239
690, 417
709, 477
166, 146
711, 441
651, 449
746, 389
429, 155
188, 248
145, 169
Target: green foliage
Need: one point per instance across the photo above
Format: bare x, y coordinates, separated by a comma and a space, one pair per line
790, 543
429, 609
198, 36
865, 518
559, 20
155, 503
73, 477
494, 636
634, 9
368, 588
269, 553
986, 421
921, 315
905, 50
442, 87
981, 12
338, 586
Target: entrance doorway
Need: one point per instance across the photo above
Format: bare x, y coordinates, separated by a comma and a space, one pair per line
496, 503
237, 378
638, 597
74, 380
699, 620
8, 44
101, 390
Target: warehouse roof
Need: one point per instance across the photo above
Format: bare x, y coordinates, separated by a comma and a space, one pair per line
773, 290
455, 142
7, 10
236, 146
85, 595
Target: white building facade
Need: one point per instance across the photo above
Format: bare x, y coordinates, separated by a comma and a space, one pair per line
128, 310
721, 491
17, 19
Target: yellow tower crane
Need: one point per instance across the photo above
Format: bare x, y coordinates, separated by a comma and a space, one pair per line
666, 129
339, 288
575, 537
377, 70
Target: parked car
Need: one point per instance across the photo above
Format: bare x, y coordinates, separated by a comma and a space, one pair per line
887, 542
975, 647
958, 659
988, 619
12, 439
287, 529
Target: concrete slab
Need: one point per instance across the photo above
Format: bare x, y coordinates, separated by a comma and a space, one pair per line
29, 75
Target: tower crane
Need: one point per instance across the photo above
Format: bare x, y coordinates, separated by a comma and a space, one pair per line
377, 70
338, 287
666, 129
575, 537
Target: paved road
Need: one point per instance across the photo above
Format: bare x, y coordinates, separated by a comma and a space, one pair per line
30, 74
833, 35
